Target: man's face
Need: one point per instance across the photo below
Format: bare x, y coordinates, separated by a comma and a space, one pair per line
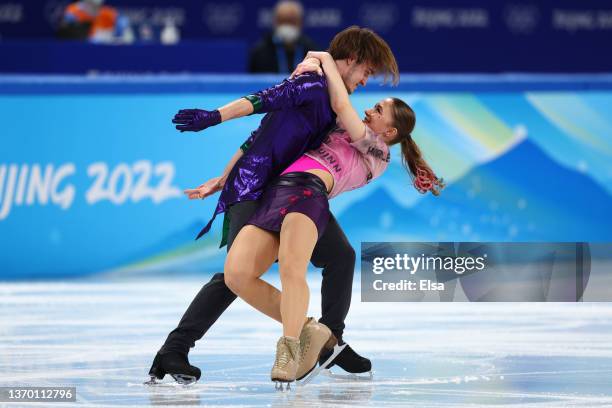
356, 74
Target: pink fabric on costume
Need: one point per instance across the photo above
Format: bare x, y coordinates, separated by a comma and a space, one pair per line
352, 164
304, 163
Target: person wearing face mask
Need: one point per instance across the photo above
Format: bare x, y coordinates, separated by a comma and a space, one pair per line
91, 20
282, 49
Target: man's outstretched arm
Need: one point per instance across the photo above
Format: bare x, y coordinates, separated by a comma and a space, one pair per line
194, 120
290, 93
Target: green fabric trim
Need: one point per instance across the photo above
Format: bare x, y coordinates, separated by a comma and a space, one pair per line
245, 146
255, 101
226, 225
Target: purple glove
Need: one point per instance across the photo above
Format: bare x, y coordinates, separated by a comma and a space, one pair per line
194, 120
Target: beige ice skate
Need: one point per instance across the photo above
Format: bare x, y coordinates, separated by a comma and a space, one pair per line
314, 337
287, 360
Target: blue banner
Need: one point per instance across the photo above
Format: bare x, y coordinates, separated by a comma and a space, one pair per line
92, 170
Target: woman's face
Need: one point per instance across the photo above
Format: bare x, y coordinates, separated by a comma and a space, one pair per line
380, 120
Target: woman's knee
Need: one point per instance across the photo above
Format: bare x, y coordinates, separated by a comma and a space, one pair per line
290, 271
235, 278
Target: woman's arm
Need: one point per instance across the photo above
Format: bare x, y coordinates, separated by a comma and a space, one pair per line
215, 184
230, 165
339, 96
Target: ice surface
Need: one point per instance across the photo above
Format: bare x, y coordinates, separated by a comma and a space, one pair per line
101, 337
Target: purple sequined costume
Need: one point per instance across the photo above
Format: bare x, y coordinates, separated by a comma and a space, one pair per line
299, 116
299, 192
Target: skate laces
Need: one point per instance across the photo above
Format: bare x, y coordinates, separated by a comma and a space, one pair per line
306, 338
304, 346
283, 354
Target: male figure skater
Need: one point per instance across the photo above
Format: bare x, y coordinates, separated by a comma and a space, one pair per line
298, 118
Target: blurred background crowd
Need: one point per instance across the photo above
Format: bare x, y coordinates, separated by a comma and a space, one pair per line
270, 36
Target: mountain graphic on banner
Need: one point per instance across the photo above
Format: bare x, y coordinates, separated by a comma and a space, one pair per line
520, 196
177, 252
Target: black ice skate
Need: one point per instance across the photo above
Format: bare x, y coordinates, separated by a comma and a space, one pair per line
358, 367
176, 365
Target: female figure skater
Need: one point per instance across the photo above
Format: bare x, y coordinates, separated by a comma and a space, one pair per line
294, 211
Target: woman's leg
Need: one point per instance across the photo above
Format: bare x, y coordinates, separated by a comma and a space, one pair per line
252, 253
297, 239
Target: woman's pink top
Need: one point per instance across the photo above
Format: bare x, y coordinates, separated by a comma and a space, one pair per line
304, 163
352, 164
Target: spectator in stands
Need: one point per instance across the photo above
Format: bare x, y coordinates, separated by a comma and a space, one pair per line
92, 20
282, 49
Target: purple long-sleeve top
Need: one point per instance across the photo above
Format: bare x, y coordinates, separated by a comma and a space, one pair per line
299, 116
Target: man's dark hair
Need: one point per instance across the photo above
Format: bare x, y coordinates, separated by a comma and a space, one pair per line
365, 46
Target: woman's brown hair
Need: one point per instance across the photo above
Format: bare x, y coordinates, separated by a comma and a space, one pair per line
423, 177
365, 46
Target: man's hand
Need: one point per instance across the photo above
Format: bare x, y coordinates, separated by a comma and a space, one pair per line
194, 120
308, 65
204, 190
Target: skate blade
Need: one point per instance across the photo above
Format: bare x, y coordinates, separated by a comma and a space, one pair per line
278, 385
184, 379
337, 350
152, 381
369, 376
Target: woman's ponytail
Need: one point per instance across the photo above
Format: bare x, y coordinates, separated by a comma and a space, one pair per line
423, 177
